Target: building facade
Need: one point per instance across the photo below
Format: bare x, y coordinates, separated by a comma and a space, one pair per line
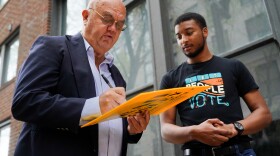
247, 30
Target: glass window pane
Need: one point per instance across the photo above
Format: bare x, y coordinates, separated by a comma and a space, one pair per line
150, 143
133, 52
4, 140
264, 64
231, 24
74, 19
2, 3
10, 60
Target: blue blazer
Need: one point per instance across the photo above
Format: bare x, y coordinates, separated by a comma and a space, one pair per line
52, 87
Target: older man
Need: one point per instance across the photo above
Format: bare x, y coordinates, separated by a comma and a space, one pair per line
60, 85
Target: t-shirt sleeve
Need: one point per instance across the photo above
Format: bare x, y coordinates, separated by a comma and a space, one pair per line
165, 81
245, 82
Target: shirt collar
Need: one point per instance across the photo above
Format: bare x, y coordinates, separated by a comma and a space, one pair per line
109, 58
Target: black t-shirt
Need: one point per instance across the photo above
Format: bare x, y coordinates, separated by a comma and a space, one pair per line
229, 79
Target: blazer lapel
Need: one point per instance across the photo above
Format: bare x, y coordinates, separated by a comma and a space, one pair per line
84, 78
80, 65
117, 77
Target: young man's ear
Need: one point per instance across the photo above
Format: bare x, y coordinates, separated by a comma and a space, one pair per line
205, 31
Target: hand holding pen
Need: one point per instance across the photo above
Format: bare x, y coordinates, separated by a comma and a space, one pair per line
112, 97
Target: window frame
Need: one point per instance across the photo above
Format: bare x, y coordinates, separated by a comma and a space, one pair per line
3, 52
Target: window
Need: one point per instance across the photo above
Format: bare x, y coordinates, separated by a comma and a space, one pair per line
8, 60
261, 29
74, 19
67, 17
246, 2
264, 65
228, 30
133, 50
5, 129
2, 3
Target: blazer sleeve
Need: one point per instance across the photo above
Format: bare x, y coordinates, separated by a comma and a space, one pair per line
133, 139
36, 99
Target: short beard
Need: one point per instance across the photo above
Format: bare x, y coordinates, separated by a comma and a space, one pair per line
198, 51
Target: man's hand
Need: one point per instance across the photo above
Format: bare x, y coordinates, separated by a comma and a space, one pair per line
228, 127
138, 123
111, 99
209, 134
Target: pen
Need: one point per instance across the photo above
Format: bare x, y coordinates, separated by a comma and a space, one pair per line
107, 81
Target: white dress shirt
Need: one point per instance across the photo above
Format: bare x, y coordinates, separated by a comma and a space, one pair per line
109, 132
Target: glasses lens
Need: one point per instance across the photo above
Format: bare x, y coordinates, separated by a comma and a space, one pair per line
124, 27
107, 20
120, 25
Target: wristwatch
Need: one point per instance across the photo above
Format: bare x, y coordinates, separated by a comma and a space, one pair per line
239, 127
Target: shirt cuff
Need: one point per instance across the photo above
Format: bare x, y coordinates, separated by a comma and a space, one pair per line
91, 110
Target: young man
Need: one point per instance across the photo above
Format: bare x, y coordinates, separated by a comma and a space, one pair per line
213, 122
61, 84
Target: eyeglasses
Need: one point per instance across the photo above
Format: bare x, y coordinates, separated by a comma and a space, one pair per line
109, 21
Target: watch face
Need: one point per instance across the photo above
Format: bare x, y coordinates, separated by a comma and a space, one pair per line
239, 127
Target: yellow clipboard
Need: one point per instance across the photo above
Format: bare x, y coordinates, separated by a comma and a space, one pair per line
155, 102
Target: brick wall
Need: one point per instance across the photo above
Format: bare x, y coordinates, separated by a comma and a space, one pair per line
31, 18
